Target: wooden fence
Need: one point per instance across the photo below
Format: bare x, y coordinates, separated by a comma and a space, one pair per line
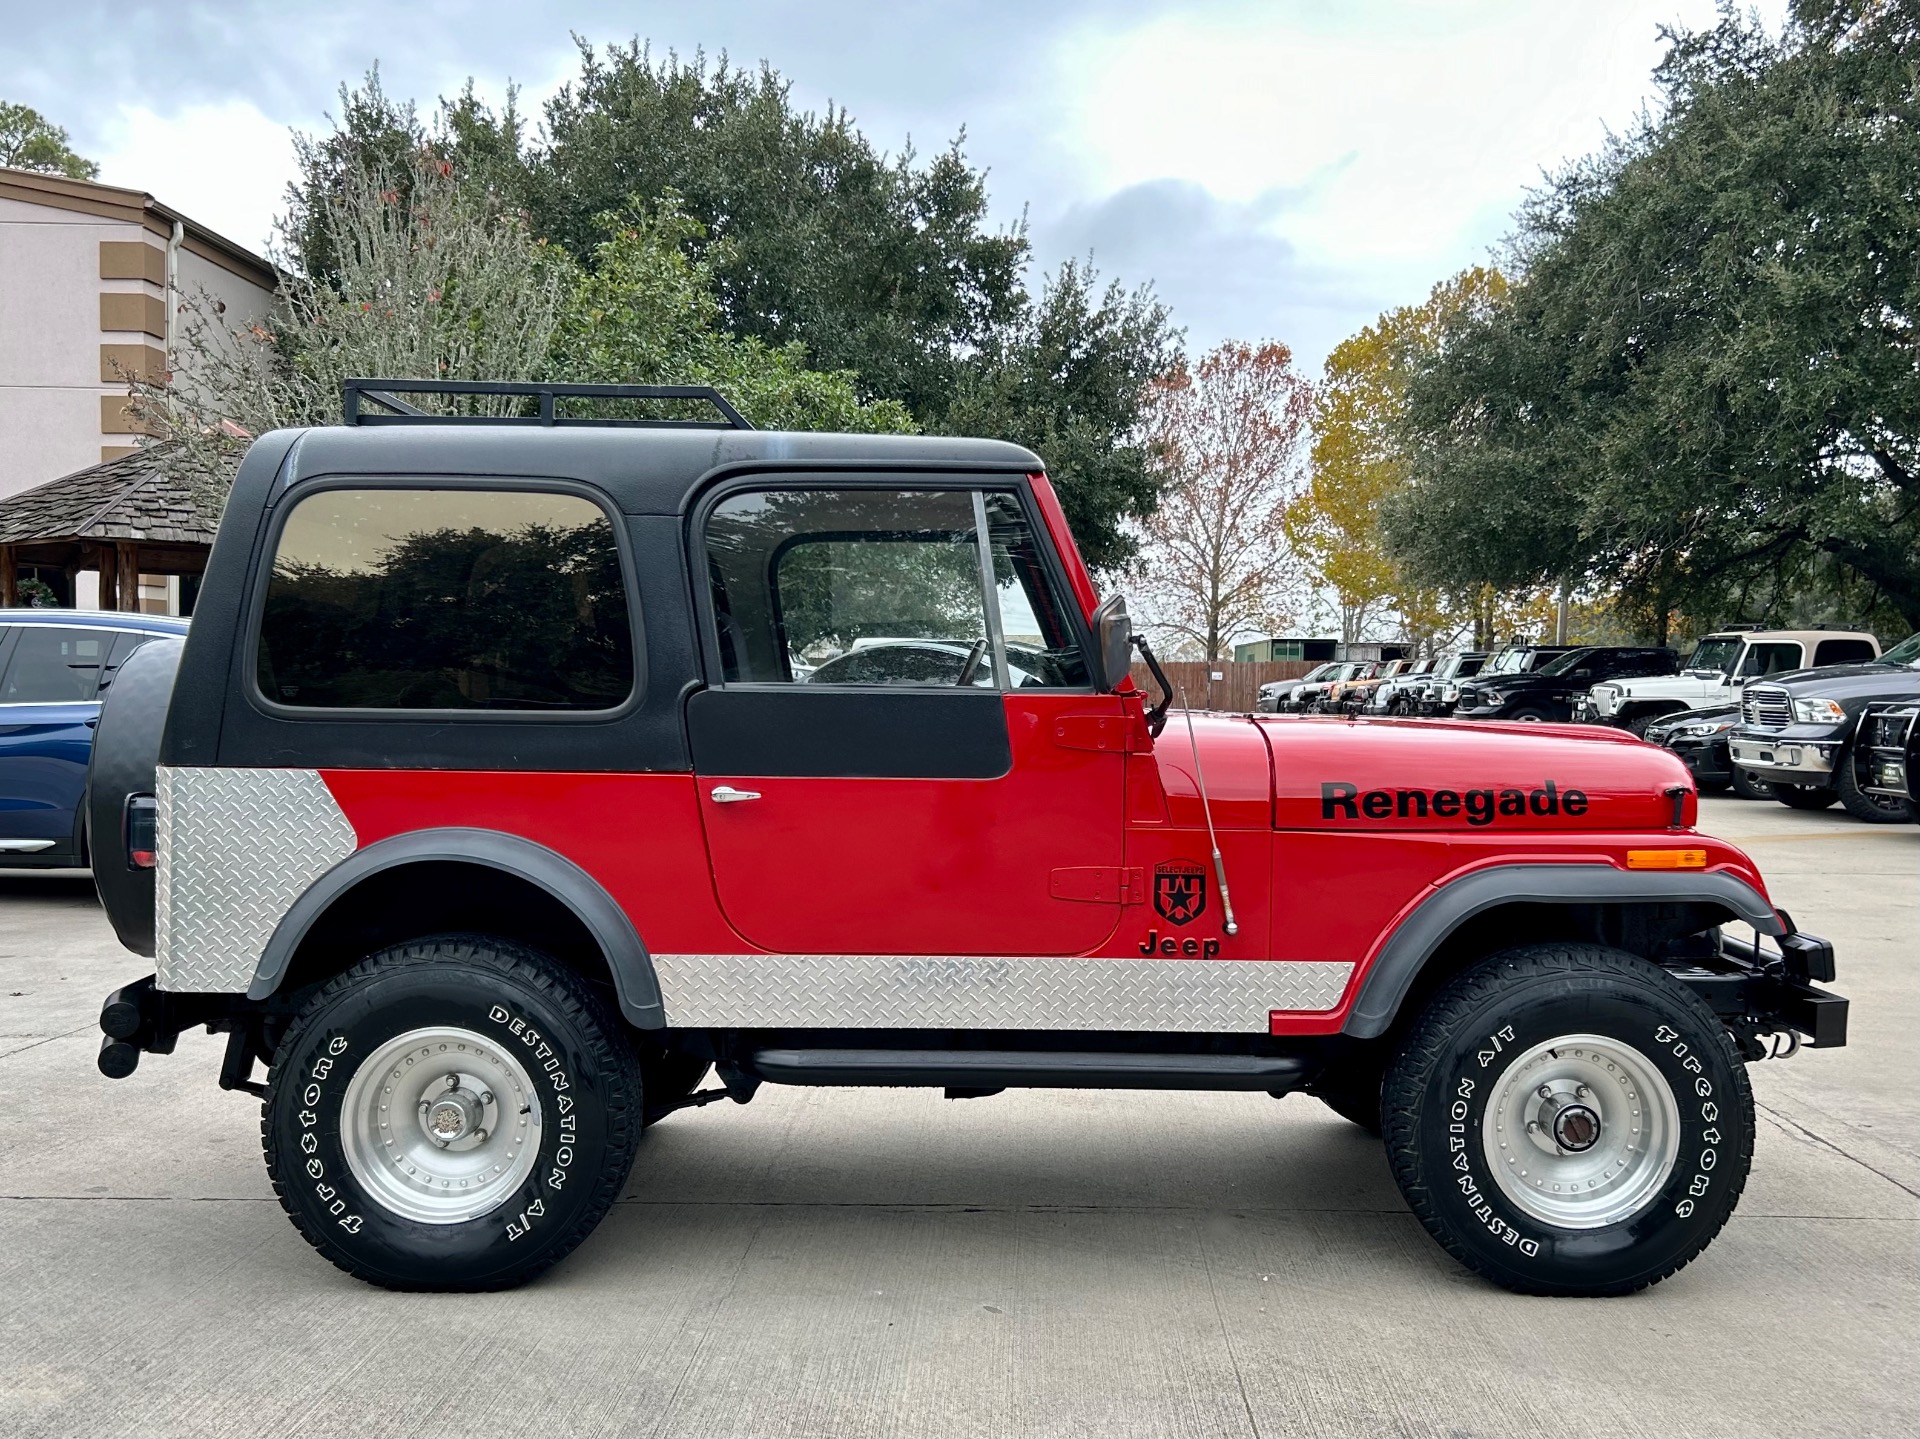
1235, 690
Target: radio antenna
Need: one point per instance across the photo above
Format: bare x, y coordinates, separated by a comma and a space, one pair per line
1200, 779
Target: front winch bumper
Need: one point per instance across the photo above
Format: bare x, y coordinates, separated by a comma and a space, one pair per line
1757, 990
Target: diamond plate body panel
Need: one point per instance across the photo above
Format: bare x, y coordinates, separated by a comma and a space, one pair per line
862, 991
237, 848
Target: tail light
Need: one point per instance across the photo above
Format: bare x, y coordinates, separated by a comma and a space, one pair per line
141, 826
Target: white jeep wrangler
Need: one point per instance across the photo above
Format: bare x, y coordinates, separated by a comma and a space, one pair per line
1721, 664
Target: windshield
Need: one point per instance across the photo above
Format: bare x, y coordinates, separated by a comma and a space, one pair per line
1716, 653
1565, 662
1907, 652
1504, 663
1318, 672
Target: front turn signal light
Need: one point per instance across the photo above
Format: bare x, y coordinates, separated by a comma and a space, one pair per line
1666, 859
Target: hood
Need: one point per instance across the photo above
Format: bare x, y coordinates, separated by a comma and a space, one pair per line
1850, 684
1366, 776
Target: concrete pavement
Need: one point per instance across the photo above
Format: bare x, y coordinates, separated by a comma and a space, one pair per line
892, 1263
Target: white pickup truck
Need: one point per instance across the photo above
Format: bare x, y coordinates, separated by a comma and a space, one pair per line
1721, 664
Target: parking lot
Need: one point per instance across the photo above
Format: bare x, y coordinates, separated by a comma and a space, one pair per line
889, 1262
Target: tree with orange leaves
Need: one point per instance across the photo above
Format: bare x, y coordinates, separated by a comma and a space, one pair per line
1229, 436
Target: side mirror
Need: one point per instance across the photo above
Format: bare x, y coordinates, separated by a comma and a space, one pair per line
1112, 643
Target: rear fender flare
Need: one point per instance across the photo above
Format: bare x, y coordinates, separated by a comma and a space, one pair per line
626, 955
1421, 933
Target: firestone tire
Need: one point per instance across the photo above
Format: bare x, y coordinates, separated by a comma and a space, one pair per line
1623, 1048
514, 1058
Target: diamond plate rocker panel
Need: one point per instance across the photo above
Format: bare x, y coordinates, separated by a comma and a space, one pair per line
237, 848
857, 991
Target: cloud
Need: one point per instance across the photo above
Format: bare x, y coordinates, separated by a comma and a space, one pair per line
1221, 264
225, 164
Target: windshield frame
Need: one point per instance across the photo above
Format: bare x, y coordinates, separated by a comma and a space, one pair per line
1905, 655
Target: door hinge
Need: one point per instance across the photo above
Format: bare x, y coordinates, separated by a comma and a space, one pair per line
1101, 884
1109, 734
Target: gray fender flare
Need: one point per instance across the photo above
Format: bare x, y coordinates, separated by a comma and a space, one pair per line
633, 977
1448, 907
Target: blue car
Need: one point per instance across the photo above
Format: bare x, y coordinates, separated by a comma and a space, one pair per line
54, 667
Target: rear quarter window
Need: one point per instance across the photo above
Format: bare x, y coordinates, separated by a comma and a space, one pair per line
446, 599
1842, 652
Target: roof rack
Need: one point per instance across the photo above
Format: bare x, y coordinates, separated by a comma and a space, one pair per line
355, 395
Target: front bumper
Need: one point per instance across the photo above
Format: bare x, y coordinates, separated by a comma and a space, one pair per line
1706, 756
1765, 991
1785, 757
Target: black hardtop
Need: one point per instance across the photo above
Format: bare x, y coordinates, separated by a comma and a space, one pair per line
644, 471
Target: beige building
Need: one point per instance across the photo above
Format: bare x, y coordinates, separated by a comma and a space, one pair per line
91, 277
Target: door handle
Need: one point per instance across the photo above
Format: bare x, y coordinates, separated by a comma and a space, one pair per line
727, 794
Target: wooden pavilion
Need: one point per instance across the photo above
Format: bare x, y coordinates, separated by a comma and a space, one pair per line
128, 517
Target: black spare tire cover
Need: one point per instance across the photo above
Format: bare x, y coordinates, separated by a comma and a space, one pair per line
126, 748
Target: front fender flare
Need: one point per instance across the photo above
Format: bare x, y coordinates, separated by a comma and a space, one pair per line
633, 977
1421, 933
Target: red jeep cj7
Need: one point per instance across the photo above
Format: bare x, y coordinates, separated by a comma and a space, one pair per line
518, 772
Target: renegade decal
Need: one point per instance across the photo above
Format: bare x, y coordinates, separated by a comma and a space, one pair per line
1339, 800
1180, 890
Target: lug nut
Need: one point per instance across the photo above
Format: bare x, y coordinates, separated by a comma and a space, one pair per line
487, 1097
453, 1081
1546, 1091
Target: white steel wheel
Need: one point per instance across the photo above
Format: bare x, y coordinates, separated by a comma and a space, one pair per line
1582, 1131
441, 1125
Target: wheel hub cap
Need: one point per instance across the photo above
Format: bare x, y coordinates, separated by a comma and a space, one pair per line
441, 1125
1581, 1131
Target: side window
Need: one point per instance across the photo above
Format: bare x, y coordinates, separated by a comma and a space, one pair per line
55, 665
1771, 659
884, 587
1842, 652
418, 599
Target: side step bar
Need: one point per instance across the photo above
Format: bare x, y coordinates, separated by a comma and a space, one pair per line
979, 1069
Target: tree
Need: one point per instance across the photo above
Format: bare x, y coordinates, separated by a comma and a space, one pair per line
1072, 382
30, 141
879, 265
1229, 435
1360, 460
882, 269
426, 279
1701, 388
645, 312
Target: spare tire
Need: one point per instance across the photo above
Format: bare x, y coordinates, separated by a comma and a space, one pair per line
126, 750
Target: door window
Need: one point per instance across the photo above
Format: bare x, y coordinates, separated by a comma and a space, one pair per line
886, 588
1771, 659
404, 599
54, 665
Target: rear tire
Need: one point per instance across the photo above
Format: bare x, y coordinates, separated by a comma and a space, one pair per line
1529, 714
454, 1113
1749, 785
1569, 1119
1872, 808
1805, 796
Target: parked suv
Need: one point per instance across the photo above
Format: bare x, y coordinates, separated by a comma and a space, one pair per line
1352, 694
1379, 699
1547, 690
1312, 693
1721, 663
1435, 693
1796, 731
1275, 694
489, 815
55, 667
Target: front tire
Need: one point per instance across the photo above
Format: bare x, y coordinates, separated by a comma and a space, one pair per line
1569, 1119
1872, 808
454, 1113
1749, 785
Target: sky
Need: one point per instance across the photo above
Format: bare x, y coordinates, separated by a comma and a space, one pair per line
1280, 170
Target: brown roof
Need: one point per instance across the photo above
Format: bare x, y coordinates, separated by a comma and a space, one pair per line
136, 497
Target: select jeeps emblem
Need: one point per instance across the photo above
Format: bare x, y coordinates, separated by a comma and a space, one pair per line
1180, 890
